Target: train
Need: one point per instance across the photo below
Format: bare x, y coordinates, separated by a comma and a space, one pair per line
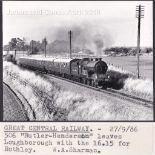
90, 71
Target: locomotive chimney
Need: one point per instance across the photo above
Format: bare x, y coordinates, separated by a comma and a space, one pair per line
90, 59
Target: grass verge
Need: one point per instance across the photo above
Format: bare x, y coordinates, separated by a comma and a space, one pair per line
128, 82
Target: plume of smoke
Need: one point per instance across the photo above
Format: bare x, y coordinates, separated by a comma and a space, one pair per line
85, 36
98, 40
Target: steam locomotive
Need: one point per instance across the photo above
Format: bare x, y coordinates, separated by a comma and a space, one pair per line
90, 71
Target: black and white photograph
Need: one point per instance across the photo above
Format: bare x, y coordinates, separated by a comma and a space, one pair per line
77, 61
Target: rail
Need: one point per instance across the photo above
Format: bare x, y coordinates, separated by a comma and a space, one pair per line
110, 92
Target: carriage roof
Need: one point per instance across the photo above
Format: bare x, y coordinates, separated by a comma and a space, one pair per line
53, 59
63, 60
39, 58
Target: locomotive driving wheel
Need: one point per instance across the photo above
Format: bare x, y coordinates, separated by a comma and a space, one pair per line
92, 83
80, 80
88, 82
85, 81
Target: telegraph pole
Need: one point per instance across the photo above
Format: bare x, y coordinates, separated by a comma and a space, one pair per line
139, 15
15, 53
32, 47
70, 42
45, 42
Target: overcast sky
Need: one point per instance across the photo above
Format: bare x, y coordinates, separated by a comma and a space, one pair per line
35, 20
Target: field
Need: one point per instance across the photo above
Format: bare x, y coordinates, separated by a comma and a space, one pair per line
129, 63
124, 77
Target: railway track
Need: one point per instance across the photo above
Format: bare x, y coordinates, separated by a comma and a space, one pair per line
13, 107
110, 92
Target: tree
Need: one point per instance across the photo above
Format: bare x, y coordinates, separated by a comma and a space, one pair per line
13, 44
20, 44
6, 48
34, 47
